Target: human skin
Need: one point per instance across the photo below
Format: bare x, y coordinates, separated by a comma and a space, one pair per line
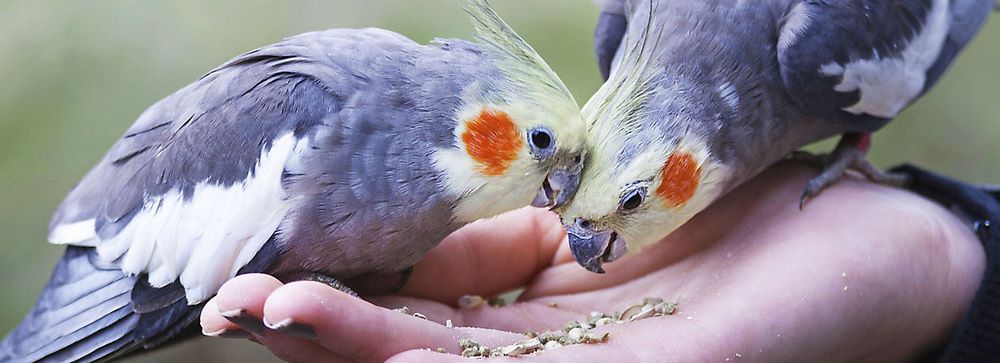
863, 273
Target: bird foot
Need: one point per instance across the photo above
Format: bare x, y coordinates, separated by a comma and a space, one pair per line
834, 165
327, 280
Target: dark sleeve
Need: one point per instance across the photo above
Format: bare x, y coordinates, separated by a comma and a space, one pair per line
977, 336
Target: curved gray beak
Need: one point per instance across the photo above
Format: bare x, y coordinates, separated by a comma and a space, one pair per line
592, 248
558, 187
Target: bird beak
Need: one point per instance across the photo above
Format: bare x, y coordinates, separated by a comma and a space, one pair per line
591, 248
559, 186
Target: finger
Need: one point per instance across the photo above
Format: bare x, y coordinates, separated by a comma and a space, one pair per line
488, 257
423, 355
636, 341
357, 330
241, 301
295, 349
540, 315
214, 325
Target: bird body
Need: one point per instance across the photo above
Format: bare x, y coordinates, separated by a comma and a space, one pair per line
729, 87
342, 152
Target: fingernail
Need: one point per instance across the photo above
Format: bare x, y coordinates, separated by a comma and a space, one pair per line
228, 333
244, 320
290, 327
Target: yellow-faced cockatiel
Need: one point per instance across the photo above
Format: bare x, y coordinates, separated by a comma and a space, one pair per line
702, 95
334, 153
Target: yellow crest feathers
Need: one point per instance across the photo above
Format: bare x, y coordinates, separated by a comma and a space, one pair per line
616, 108
515, 56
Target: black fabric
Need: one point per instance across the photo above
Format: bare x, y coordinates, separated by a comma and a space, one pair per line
977, 336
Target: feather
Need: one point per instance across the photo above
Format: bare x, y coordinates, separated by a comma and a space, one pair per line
523, 65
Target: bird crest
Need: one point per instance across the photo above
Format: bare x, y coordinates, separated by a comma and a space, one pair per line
616, 109
515, 57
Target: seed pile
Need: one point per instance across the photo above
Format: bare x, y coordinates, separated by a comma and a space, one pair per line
574, 332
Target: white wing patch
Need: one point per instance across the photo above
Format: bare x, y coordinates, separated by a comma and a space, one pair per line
888, 85
205, 239
77, 233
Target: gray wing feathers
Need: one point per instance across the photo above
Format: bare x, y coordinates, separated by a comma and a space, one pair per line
885, 41
607, 39
608, 34
213, 130
968, 16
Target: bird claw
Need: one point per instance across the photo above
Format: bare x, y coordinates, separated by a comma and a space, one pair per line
845, 157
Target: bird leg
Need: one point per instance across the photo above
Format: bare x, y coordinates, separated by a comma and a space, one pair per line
849, 154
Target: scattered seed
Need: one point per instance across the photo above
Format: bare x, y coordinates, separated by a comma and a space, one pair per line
448, 324
471, 301
419, 315
646, 312
573, 332
402, 310
441, 350
630, 311
591, 338
666, 308
496, 302
533, 343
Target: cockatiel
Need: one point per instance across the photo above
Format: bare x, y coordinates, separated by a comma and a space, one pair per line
702, 95
338, 153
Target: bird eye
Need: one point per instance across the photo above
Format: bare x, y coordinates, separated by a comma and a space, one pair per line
543, 142
541, 138
633, 199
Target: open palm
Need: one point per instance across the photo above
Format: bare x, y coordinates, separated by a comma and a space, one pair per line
864, 272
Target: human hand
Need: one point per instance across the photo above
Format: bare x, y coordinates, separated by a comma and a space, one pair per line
864, 272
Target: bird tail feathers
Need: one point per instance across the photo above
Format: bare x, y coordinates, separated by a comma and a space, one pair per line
84, 314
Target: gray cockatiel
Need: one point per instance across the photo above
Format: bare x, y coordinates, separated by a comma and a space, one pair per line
702, 95
338, 153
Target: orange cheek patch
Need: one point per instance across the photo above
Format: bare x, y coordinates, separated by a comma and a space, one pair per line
493, 140
679, 181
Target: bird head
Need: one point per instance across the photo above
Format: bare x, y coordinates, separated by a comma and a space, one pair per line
648, 170
519, 143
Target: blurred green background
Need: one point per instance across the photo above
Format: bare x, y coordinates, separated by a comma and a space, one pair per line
74, 75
